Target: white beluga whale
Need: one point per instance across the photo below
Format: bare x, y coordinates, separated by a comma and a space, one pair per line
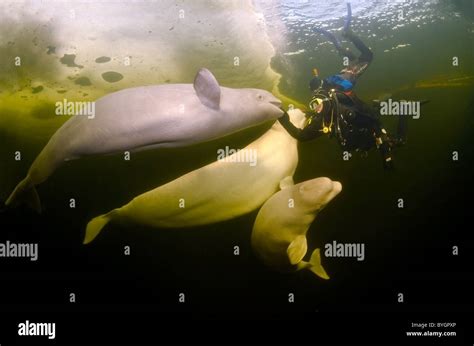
168, 115
220, 191
279, 231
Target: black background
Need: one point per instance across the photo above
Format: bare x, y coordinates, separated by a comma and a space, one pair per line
134, 298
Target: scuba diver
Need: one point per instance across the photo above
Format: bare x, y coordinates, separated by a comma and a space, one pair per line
336, 110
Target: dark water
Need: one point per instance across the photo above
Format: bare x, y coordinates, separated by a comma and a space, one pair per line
408, 250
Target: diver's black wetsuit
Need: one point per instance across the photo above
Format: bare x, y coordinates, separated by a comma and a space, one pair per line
357, 66
354, 123
358, 127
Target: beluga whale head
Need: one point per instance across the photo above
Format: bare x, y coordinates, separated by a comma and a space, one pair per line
264, 103
246, 106
317, 193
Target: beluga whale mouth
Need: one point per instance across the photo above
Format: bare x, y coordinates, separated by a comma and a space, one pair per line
276, 103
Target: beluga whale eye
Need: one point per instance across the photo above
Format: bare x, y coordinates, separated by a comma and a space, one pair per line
260, 97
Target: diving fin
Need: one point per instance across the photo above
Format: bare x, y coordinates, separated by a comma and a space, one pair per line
348, 19
331, 37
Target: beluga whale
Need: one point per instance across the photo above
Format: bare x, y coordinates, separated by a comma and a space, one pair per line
156, 116
220, 191
279, 232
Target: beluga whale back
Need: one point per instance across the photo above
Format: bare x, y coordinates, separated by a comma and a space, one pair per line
168, 115
220, 191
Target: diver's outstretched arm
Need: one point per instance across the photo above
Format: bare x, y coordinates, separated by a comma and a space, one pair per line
301, 135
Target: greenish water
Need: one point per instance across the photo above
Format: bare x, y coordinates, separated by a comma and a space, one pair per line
403, 245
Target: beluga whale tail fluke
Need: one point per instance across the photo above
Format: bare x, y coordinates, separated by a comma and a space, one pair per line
94, 227
25, 193
43, 166
155, 116
315, 265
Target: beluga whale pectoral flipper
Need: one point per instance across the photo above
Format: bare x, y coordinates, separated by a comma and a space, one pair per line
168, 115
279, 231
